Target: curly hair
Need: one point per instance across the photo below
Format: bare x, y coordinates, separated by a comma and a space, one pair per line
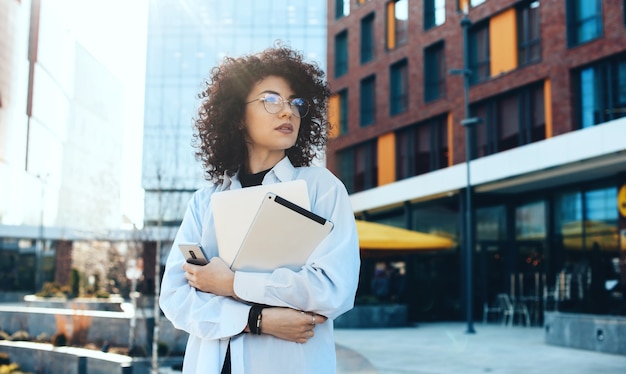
219, 136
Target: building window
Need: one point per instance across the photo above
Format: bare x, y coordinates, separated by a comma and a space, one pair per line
479, 54
397, 23
367, 109
584, 21
367, 38
434, 13
358, 167
422, 148
509, 121
434, 72
399, 88
341, 54
342, 8
586, 229
343, 111
528, 33
601, 91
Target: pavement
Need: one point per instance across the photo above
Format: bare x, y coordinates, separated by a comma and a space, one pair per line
435, 348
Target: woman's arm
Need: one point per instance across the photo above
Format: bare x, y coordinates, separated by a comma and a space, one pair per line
327, 283
202, 314
284, 323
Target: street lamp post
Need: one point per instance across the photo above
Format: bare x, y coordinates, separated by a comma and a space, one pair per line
41, 243
467, 122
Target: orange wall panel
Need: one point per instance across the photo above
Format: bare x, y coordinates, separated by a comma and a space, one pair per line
391, 25
387, 158
450, 139
503, 42
463, 5
547, 106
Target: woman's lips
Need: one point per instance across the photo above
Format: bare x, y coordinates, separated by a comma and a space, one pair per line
286, 128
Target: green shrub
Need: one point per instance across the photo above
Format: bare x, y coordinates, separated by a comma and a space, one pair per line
51, 289
102, 294
59, 340
74, 282
20, 336
162, 348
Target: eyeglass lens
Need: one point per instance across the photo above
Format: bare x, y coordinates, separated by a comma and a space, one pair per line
274, 104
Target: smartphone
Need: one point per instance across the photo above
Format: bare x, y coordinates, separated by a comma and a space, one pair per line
193, 253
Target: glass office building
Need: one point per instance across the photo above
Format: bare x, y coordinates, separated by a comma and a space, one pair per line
186, 38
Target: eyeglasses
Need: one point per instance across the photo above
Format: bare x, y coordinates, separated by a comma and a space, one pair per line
273, 104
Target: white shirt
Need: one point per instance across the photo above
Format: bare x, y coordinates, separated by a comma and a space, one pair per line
326, 284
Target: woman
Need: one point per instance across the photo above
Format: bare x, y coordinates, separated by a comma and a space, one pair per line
261, 121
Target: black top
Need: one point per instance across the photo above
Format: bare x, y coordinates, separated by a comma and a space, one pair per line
248, 180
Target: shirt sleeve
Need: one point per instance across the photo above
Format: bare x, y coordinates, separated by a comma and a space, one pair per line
327, 283
198, 313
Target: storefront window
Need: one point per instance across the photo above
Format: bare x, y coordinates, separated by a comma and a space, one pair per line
586, 224
601, 219
491, 223
530, 221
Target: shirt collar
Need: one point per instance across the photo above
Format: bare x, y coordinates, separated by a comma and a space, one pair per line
283, 171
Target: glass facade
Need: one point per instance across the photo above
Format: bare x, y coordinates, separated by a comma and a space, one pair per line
185, 40
601, 90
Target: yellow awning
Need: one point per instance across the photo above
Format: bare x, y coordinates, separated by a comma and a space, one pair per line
379, 237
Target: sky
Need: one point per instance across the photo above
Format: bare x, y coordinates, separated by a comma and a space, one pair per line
114, 31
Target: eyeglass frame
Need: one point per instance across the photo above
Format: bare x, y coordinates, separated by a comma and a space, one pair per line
283, 101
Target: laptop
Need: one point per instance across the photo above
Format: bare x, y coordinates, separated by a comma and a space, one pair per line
283, 234
234, 211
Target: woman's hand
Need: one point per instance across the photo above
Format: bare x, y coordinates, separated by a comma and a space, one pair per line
214, 277
290, 324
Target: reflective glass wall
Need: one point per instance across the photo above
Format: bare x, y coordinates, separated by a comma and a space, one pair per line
185, 40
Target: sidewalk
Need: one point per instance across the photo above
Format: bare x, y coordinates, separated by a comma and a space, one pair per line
436, 348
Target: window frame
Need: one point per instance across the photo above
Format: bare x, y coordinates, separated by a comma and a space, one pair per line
575, 22
480, 66
341, 54
340, 8
486, 135
361, 156
367, 47
367, 107
431, 10
410, 159
399, 96
396, 36
344, 111
606, 85
527, 17
435, 73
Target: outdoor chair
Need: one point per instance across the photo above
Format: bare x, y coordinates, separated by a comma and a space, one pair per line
512, 309
494, 308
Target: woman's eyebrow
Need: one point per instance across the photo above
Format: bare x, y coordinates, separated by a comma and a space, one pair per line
276, 93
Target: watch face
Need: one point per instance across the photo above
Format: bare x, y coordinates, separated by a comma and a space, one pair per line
621, 201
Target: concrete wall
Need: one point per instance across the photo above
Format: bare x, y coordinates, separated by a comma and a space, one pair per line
600, 333
46, 359
97, 326
371, 316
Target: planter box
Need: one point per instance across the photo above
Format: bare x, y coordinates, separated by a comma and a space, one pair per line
112, 304
600, 333
96, 326
373, 316
44, 358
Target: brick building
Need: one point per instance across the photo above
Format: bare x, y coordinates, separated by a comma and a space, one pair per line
548, 158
